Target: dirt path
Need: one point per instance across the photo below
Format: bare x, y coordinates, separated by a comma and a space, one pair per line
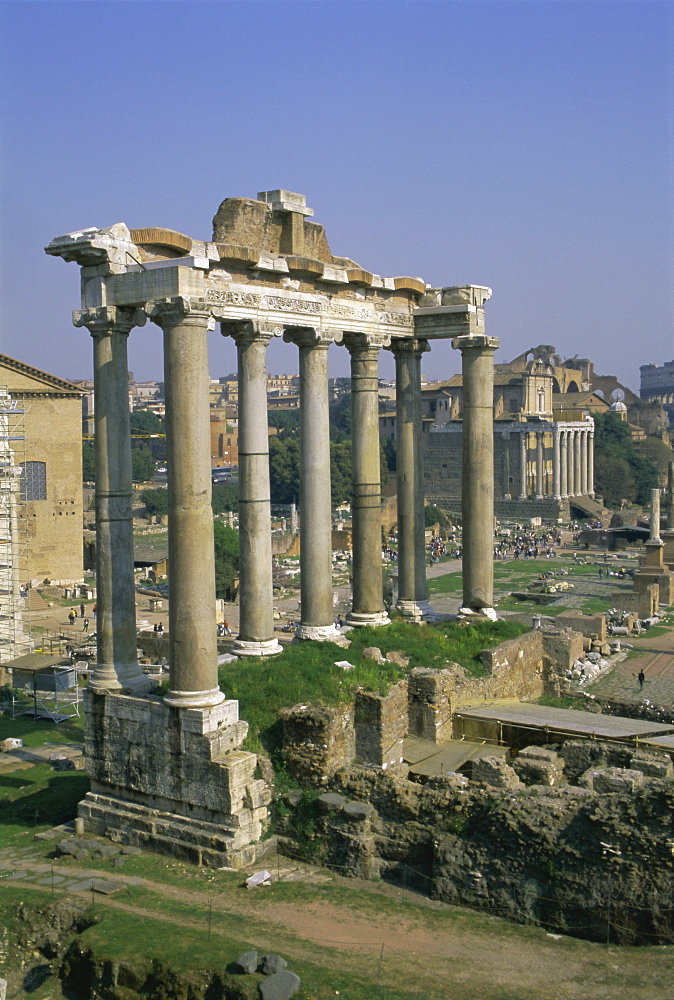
438, 952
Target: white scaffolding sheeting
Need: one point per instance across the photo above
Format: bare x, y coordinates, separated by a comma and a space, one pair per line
14, 637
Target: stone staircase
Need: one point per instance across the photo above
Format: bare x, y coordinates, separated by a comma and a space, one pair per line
587, 507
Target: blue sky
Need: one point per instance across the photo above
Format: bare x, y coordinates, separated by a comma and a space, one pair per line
519, 144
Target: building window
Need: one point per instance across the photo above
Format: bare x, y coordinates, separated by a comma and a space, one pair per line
34, 481
541, 401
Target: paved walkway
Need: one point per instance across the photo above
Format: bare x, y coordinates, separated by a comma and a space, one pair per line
656, 659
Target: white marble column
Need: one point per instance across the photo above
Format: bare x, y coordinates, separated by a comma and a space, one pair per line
556, 463
564, 463
577, 452
116, 667
368, 599
590, 462
412, 589
539, 465
317, 615
477, 469
193, 654
523, 465
256, 614
583, 461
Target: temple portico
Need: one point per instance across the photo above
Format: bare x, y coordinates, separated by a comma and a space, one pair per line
268, 272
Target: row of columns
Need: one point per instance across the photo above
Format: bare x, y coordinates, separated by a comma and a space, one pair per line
192, 636
572, 462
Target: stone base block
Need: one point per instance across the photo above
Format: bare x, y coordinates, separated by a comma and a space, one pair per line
267, 647
414, 611
198, 842
360, 619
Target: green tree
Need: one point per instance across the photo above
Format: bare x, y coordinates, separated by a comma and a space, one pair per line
340, 472
286, 421
88, 462
226, 542
155, 500
225, 497
145, 422
613, 480
142, 465
613, 443
284, 469
657, 452
340, 418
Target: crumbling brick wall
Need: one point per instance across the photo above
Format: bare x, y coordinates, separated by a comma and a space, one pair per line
429, 704
317, 740
381, 725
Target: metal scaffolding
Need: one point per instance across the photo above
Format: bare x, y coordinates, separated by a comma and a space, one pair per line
14, 636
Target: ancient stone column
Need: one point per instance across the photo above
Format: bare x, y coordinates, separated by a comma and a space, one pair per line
368, 600
655, 518
193, 656
412, 599
256, 617
670, 486
523, 465
539, 465
590, 462
477, 466
556, 462
564, 463
577, 462
116, 667
317, 615
583, 461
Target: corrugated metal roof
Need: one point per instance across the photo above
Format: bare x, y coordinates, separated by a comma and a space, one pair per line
568, 721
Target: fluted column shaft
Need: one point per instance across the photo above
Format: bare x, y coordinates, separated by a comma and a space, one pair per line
116, 667
412, 588
193, 656
368, 599
256, 616
316, 621
523, 465
477, 466
564, 463
590, 462
577, 461
539, 463
583, 461
556, 461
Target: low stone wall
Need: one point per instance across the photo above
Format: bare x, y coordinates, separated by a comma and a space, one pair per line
319, 740
587, 625
572, 858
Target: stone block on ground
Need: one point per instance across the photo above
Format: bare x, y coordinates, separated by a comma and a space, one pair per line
280, 986
653, 765
331, 802
372, 653
247, 962
609, 780
359, 811
272, 964
494, 771
536, 772
398, 657
293, 797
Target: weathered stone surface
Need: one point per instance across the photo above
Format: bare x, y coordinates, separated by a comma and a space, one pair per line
612, 779
372, 653
398, 657
494, 771
293, 797
280, 986
248, 961
330, 802
271, 964
359, 811
652, 764
536, 772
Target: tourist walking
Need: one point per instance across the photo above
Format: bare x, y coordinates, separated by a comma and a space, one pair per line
72, 615
641, 677
82, 610
85, 625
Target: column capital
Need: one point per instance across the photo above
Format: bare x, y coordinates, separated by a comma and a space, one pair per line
365, 343
409, 345
246, 331
307, 336
480, 343
105, 319
180, 309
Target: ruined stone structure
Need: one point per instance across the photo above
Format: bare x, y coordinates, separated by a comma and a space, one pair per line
268, 272
657, 383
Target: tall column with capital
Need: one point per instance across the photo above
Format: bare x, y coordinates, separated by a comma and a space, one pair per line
412, 589
316, 620
193, 656
256, 615
368, 599
564, 466
583, 461
577, 468
539, 464
556, 481
477, 462
590, 461
523, 464
116, 667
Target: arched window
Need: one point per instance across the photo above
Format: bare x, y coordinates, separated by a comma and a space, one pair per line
34, 481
